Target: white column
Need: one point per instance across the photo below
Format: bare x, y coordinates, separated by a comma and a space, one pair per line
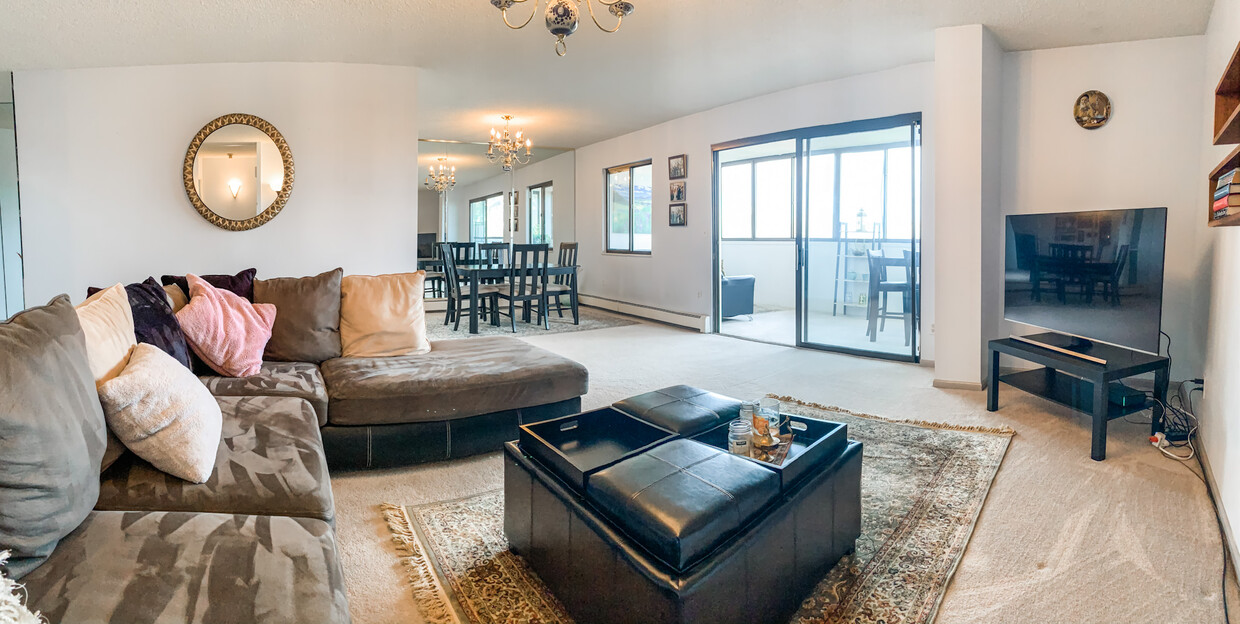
968, 68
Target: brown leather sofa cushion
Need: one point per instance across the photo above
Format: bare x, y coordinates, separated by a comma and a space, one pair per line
457, 379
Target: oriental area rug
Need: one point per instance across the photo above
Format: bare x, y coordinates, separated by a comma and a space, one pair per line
923, 486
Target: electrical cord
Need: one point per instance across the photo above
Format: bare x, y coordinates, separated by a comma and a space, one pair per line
1184, 416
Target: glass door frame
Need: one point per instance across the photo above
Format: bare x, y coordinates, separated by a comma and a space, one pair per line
538, 213
802, 136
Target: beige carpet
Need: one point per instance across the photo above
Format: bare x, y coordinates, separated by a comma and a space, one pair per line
1061, 539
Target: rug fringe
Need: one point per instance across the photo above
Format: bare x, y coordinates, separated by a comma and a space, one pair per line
430, 597
1003, 431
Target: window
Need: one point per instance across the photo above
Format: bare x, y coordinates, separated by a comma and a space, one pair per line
540, 213
486, 219
756, 198
630, 214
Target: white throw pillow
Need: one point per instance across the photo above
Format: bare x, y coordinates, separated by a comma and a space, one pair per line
162, 412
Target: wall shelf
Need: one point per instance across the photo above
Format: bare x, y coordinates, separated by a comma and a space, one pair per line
1227, 103
1231, 162
1226, 132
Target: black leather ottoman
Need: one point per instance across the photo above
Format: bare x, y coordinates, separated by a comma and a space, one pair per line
683, 532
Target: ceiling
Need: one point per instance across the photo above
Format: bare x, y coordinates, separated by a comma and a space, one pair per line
671, 58
470, 159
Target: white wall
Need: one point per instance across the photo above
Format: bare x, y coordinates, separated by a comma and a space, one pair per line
559, 170
102, 151
1145, 156
677, 276
1220, 403
773, 265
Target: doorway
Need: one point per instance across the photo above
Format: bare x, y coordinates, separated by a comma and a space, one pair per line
818, 237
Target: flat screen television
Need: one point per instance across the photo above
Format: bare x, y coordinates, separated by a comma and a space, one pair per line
1093, 276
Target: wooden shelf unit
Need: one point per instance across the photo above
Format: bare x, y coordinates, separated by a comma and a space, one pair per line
1227, 103
1226, 132
1231, 162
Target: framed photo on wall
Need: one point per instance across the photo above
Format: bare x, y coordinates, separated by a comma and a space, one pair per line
677, 192
677, 214
678, 167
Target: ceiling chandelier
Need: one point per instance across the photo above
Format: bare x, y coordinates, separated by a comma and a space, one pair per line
562, 16
505, 148
441, 180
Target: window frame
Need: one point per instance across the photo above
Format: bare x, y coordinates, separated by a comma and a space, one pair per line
607, 247
838, 152
529, 207
753, 198
484, 200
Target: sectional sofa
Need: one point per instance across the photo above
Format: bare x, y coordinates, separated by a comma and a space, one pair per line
254, 543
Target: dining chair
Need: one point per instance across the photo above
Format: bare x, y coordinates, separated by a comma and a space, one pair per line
565, 284
494, 255
1110, 281
527, 283
458, 293
434, 278
877, 310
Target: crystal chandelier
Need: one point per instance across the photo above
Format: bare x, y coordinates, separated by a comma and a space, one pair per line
441, 180
505, 148
562, 16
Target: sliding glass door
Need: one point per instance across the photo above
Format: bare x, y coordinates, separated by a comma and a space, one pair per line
818, 237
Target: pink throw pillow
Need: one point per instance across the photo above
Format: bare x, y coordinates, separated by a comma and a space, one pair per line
226, 331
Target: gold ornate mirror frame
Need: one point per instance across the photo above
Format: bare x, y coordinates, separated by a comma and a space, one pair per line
281, 199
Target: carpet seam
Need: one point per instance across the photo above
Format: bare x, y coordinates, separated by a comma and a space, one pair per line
429, 596
927, 424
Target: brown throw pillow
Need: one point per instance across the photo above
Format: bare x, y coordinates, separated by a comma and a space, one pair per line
383, 315
307, 327
241, 283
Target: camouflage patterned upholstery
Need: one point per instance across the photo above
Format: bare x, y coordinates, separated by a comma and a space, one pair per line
270, 462
457, 379
193, 568
281, 379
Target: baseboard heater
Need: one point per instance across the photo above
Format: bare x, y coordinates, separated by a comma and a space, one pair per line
671, 317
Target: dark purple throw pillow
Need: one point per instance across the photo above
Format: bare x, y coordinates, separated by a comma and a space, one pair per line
242, 283
153, 320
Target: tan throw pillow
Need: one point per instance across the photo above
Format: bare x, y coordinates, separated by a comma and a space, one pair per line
383, 315
107, 321
176, 297
160, 410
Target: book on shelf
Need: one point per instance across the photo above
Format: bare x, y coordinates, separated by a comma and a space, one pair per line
1228, 178
1224, 203
1228, 189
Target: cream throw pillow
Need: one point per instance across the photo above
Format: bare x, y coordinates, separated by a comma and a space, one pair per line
107, 321
162, 412
383, 315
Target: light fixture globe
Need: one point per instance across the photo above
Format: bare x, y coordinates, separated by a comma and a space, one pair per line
562, 17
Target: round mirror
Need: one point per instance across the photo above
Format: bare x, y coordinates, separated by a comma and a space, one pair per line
238, 172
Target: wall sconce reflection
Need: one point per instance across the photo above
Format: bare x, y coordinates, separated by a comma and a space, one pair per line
276, 183
234, 185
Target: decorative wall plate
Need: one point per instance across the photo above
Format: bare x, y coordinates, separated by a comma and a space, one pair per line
1092, 110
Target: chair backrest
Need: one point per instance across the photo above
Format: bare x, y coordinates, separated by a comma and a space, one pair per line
878, 268
494, 254
449, 269
529, 267
568, 257
462, 253
1121, 262
1063, 251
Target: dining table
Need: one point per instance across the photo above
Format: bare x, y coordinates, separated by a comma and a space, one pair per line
476, 272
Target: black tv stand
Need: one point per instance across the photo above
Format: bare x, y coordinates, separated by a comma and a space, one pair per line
1081, 384
1065, 344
